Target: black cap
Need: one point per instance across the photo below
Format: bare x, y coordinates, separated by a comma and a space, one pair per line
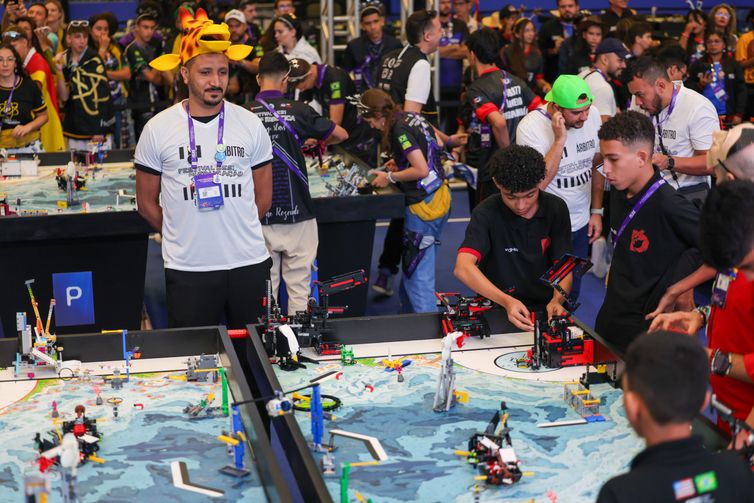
372, 8
299, 70
612, 45
507, 11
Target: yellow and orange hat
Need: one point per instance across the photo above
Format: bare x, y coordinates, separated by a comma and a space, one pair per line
202, 36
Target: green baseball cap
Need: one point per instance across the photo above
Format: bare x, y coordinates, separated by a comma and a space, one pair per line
568, 90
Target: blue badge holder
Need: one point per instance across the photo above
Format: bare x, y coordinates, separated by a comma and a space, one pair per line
209, 194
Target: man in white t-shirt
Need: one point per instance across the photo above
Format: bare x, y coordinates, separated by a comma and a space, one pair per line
609, 63
684, 123
565, 131
204, 179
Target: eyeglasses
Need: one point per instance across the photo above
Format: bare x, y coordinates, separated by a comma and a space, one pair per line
722, 13
7, 60
13, 35
77, 23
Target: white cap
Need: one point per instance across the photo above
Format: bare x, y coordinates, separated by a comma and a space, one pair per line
235, 14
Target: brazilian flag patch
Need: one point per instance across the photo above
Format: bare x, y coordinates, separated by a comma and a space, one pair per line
705, 482
404, 141
335, 90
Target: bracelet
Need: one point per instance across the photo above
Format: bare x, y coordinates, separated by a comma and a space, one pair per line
704, 312
390, 177
598, 211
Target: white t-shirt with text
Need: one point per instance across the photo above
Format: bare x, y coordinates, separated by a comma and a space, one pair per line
212, 239
573, 182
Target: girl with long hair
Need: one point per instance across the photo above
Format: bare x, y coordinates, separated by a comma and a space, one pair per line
524, 59
416, 169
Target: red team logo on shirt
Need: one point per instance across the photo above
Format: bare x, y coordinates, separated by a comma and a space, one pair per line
639, 241
545, 244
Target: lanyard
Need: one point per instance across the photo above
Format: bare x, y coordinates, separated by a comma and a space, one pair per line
10, 98
544, 112
363, 71
505, 92
597, 70
636, 209
283, 156
320, 75
671, 107
219, 151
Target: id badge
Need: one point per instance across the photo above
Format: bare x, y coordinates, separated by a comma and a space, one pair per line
431, 182
209, 194
485, 133
720, 288
720, 94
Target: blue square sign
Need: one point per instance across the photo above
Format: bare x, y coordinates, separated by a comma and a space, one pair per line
74, 298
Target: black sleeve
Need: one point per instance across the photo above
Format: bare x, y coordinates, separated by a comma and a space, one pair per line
477, 239
560, 234
309, 124
545, 36
692, 82
683, 216
740, 90
464, 30
405, 139
607, 495
37, 101
349, 59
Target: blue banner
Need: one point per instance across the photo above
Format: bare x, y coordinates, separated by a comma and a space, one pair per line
74, 298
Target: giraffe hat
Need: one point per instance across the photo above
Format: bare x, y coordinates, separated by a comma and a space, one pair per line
201, 36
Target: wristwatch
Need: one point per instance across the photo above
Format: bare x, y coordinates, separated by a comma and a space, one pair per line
720, 364
598, 211
671, 163
390, 177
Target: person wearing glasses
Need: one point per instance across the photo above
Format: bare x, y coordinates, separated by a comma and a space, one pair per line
722, 18
289, 35
85, 90
24, 111
36, 67
280, 8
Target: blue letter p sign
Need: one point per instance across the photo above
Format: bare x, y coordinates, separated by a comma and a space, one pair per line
74, 298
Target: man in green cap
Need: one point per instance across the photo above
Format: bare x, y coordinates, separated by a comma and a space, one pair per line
564, 130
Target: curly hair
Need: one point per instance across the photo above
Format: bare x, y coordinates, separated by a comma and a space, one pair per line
726, 225
517, 168
629, 128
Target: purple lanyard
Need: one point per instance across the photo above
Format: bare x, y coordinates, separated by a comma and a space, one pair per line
636, 209
597, 70
10, 98
281, 120
670, 110
219, 151
545, 113
283, 156
505, 93
362, 70
320, 75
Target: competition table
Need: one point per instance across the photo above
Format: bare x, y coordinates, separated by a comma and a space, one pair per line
110, 239
569, 462
151, 429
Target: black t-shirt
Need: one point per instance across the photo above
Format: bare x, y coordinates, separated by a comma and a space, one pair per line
362, 57
333, 87
682, 470
291, 202
657, 248
88, 110
246, 81
513, 252
549, 31
141, 93
610, 18
27, 102
484, 96
395, 69
454, 32
411, 132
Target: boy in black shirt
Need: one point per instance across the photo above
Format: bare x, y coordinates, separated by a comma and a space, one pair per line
664, 388
331, 87
143, 88
512, 239
492, 107
289, 227
654, 229
363, 54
